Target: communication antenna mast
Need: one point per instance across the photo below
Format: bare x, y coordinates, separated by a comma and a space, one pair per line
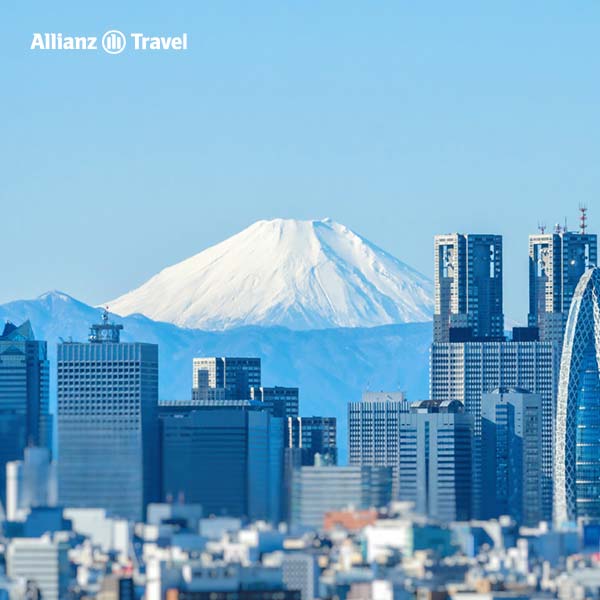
582, 219
541, 227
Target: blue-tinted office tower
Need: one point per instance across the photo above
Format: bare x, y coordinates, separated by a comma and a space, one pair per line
511, 422
313, 436
577, 442
468, 287
24, 394
556, 263
233, 376
24, 381
229, 460
279, 401
108, 438
435, 463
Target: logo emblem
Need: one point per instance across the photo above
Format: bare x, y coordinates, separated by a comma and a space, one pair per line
114, 41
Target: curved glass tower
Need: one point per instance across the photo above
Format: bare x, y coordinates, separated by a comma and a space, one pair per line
577, 451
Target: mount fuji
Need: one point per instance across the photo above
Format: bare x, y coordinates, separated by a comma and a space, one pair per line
325, 309
302, 275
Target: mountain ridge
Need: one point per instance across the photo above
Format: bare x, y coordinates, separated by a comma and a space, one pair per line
330, 366
299, 274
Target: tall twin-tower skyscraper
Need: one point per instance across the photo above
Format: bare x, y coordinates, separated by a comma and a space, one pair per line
471, 355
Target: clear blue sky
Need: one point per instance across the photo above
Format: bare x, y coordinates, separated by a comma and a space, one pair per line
399, 119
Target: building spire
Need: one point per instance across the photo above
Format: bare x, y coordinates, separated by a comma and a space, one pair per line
582, 219
105, 331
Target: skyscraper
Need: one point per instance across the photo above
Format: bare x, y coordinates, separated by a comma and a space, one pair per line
577, 455
24, 394
279, 401
512, 455
468, 287
466, 371
556, 263
373, 430
232, 374
24, 381
435, 466
108, 423
313, 435
229, 460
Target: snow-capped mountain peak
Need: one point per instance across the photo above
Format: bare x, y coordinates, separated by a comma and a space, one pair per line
297, 274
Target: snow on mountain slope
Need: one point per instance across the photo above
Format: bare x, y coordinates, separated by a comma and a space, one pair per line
297, 274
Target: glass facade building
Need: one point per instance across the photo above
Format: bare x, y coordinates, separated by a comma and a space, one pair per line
577, 455
229, 460
280, 401
556, 263
468, 286
313, 436
108, 438
512, 455
24, 395
435, 465
466, 371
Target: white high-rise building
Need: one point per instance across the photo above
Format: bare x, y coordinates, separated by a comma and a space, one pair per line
373, 431
43, 562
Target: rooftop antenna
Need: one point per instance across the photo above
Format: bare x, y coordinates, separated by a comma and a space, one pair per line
541, 227
565, 228
582, 219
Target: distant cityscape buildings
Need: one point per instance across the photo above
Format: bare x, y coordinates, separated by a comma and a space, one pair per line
465, 371
234, 493
232, 376
321, 489
279, 401
313, 436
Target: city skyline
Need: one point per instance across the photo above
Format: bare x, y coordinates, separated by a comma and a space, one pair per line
328, 325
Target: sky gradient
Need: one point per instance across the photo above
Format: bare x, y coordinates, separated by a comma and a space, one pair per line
398, 119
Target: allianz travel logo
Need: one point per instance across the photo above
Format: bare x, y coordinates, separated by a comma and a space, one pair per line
112, 41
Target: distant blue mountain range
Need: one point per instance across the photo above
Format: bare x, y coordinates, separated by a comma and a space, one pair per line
330, 366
